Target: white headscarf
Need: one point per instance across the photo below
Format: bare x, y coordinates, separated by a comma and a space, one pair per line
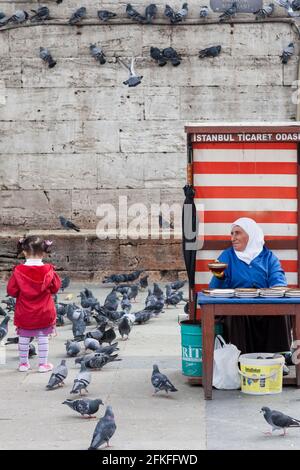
256, 239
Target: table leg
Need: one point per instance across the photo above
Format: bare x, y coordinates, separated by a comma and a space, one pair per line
208, 335
296, 336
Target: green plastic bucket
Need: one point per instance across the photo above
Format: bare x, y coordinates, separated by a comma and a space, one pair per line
191, 347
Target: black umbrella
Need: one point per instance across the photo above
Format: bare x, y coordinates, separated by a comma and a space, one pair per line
190, 242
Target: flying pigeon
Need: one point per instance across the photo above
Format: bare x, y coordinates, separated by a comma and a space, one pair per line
84, 406
161, 381
134, 14
105, 15
229, 13
264, 12
278, 420
41, 14
58, 376
46, 56
287, 53
82, 380
156, 54
4, 327
124, 327
98, 53
68, 224
133, 79
212, 51
78, 15
104, 430
150, 13
204, 11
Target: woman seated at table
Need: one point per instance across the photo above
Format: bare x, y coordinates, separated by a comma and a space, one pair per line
251, 264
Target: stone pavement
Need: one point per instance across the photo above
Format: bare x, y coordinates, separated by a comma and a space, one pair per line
34, 418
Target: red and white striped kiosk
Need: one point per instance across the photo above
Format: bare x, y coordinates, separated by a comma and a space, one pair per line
246, 170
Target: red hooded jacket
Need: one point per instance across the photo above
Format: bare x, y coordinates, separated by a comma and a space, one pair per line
33, 287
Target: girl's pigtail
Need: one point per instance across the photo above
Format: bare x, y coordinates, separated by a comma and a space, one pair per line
20, 246
47, 246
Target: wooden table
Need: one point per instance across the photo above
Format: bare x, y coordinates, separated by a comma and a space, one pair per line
212, 307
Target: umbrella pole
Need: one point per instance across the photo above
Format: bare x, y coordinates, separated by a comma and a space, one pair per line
189, 181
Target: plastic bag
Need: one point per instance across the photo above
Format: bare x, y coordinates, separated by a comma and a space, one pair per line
226, 371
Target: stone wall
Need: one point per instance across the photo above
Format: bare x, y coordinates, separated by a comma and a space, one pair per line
74, 136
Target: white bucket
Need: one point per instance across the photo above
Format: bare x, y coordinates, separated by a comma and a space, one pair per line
261, 373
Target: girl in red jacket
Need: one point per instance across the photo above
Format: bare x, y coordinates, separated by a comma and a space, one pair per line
33, 284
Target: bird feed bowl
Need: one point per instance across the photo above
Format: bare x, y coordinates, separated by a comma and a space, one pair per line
261, 373
217, 267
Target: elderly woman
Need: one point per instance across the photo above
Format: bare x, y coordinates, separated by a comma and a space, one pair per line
251, 264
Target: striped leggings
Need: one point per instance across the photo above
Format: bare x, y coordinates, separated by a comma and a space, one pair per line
43, 349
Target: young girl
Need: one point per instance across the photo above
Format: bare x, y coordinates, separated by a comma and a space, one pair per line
33, 284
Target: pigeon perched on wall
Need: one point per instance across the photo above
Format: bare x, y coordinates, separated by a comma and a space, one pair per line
82, 380
4, 327
287, 53
58, 376
133, 79
170, 13
84, 406
287, 5
67, 224
124, 327
41, 14
134, 14
3, 19
264, 12
229, 13
105, 429
161, 381
296, 5
204, 12
212, 51
98, 53
105, 15
182, 13
78, 15
72, 348
278, 420
157, 55
20, 16
150, 13
46, 56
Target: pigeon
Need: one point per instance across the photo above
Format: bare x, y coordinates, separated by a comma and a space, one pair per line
2, 312
124, 327
105, 429
58, 376
10, 303
278, 420
41, 14
4, 327
287, 53
98, 54
99, 360
287, 5
108, 336
212, 51
31, 350
116, 278
82, 380
170, 54
46, 56
134, 275
108, 350
133, 79
161, 381
134, 14
3, 19
144, 282
72, 348
229, 13
182, 13
67, 224
173, 298
170, 13
125, 303
92, 344
296, 4
156, 54
134, 290
84, 406
105, 15
157, 290
96, 334
177, 285
20, 16
142, 317
65, 282
150, 13
78, 15
78, 325
204, 11
264, 12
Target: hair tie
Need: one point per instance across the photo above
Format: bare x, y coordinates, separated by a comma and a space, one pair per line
48, 242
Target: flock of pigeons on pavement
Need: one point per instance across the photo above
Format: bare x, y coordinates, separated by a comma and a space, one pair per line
95, 348
161, 55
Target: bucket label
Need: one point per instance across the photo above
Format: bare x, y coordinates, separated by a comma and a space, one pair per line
261, 380
191, 354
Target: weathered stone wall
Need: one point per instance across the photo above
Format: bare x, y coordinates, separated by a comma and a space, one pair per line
74, 136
